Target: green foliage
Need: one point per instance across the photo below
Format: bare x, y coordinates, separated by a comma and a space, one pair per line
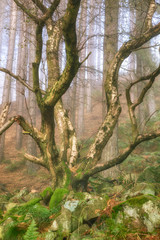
115, 231
12, 232
134, 163
150, 175
39, 213
57, 197
22, 215
31, 233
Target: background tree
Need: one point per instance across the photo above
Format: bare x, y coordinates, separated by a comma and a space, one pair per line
110, 49
7, 83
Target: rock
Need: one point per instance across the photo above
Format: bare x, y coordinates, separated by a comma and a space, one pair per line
142, 189
150, 175
4, 199
50, 236
31, 196
9, 206
19, 197
58, 195
75, 213
1, 231
90, 209
63, 222
77, 234
71, 205
142, 212
46, 195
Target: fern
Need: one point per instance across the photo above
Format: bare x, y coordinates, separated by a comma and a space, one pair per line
31, 233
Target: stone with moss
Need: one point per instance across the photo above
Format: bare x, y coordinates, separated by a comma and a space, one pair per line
19, 197
58, 195
50, 236
63, 222
79, 232
142, 212
46, 195
31, 195
142, 189
89, 209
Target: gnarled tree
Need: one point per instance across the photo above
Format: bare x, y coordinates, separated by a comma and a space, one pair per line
65, 165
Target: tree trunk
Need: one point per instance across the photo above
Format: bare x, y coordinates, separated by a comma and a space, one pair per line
91, 60
31, 144
21, 71
81, 75
7, 82
110, 49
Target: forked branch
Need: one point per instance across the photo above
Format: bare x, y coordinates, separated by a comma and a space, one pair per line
132, 106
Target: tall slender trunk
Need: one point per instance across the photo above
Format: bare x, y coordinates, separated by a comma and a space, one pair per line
110, 49
21, 71
31, 144
141, 13
2, 16
91, 60
81, 75
7, 82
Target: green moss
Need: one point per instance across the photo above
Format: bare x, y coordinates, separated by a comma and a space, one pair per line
46, 194
57, 197
79, 196
133, 202
68, 173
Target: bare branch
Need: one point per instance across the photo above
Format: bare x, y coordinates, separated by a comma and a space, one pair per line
40, 5
86, 58
121, 157
28, 12
18, 78
36, 160
132, 106
111, 88
7, 125
51, 10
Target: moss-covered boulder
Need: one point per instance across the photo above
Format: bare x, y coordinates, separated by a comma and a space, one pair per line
46, 195
150, 175
142, 189
90, 209
78, 209
58, 195
50, 236
19, 197
63, 222
142, 212
4, 199
79, 232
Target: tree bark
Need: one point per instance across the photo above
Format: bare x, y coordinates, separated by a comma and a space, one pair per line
110, 49
7, 82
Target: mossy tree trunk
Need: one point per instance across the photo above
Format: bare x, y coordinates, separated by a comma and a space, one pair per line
65, 164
